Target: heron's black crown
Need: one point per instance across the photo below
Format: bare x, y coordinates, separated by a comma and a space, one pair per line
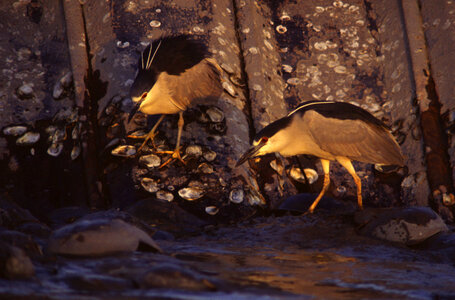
172, 54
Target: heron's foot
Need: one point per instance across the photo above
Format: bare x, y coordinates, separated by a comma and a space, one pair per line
150, 137
175, 155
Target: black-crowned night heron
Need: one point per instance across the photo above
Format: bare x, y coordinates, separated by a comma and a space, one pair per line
331, 131
174, 72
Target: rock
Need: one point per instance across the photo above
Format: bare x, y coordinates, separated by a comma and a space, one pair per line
98, 237
66, 215
13, 215
170, 276
22, 241
35, 229
302, 202
14, 263
167, 215
409, 226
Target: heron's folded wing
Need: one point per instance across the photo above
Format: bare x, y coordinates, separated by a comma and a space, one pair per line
353, 138
195, 84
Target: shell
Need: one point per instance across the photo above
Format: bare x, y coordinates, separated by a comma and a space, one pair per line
215, 114
14, 130
297, 175
193, 150
75, 152
58, 136
28, 139
281, 29
124, 151
212, 210
67, 80
150, 185
151, 160
55, 149
138, 134
205, 168
155, 23
229, 88
191, 193
277, 166
253, 199
236, 196
209, 155
164, 195
287, 68
448, 199
58, 90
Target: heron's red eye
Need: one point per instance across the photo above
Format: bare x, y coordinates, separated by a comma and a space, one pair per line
264, 139
144, 95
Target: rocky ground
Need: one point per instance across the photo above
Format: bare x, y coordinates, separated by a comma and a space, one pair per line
82, 216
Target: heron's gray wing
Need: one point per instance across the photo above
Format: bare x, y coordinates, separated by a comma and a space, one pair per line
197, 83
353, 138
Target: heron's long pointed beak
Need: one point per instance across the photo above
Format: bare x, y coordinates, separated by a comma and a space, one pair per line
250, 153
135, 109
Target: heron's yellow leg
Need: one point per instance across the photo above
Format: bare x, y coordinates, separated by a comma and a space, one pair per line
347, 164
176, 152
151, 135
326, 167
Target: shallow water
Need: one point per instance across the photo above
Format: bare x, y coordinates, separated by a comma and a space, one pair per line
275, 258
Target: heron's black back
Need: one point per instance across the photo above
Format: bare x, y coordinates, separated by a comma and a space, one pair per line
174, 54
340, 111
